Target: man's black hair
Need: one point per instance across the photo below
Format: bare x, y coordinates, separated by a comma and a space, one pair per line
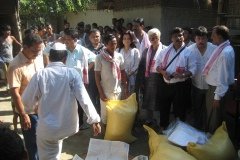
57, 55
5, 27
187, 29
70, 32
176, 30
201, 31
222, 31
139, 21
108, 38
31, 39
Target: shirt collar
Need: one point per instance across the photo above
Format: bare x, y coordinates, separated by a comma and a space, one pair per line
76, 49
51, 64
24, 59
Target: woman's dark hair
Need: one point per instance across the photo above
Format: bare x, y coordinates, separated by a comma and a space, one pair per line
57, 55
130, 33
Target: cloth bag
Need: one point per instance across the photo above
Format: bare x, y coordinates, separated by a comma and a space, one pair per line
219, 147
161, 149
121, 117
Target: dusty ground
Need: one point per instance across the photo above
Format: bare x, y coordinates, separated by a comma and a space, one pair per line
76, 144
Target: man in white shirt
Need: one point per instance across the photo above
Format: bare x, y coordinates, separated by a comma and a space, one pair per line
56, 89
110, 75
202, 49
80, 58
219, 72
176, 83
142, 41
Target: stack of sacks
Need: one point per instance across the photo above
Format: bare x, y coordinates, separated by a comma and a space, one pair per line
120, 119
219, 147
161, 149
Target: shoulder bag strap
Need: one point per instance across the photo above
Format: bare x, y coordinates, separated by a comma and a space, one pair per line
174, 58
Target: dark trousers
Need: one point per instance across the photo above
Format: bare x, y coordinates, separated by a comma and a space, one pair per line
215, 116
93, 91
176, 95
30, 138
199, 107
80, 114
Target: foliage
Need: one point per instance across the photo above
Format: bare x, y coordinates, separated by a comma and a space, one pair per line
34, 10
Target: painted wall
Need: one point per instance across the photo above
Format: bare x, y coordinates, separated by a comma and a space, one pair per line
101, 17
164, 18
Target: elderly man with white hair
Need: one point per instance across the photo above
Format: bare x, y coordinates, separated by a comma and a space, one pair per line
56, 89
148, 78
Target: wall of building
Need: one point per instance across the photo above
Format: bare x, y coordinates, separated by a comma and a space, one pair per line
101, 17
233, 9
233, 22
165, 18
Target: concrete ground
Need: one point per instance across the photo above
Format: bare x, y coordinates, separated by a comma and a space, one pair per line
76, 144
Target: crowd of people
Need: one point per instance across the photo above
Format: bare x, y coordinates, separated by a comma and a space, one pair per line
56, 78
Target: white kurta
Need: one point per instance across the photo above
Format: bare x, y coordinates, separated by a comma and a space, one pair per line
111, 85
56, 88
186, 60
221, 74
198, 80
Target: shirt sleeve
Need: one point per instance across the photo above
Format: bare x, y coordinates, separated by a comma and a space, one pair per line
158, 59
14, 77
191, 62
98, 65
122, 66
91, 56
224, 63
31, 95
85, 101
136, 60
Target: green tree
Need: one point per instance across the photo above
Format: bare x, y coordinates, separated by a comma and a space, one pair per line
38, 10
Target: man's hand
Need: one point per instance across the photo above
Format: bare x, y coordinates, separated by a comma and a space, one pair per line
103, 97
26, 123
166, 75
96, 129
216, 103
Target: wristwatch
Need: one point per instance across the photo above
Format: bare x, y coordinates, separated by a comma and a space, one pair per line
184, 75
